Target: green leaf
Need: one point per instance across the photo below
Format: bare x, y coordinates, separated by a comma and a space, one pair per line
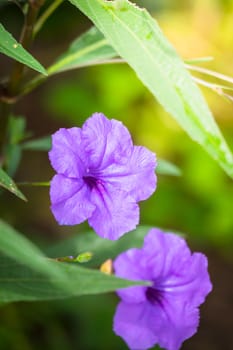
26, 273
137, 38
41, 144
18, 282
10, 47
16, 129
167, 168
88, 49
19, 248
16, 132
16, 246
8, 183
13, 157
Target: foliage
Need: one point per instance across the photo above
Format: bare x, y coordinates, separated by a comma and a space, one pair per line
125, 34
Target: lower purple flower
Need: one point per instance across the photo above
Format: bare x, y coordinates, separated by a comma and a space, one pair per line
101, 176
165, 313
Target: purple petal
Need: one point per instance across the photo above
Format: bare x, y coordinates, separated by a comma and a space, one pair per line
168, 313
116, 212
127, 265
67, 154
174, 268
131, 322
115, 173
191, 282
143, 325
106, 141
163, 252
173, 321
70, 200
137, 176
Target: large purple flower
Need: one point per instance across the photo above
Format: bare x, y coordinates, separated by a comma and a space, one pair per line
101, 176
166, 313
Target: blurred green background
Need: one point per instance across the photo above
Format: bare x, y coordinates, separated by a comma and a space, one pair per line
199, 203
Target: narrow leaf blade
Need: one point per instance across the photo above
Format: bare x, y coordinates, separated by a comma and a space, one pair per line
14, 245
27, 274
20, 283
137, 38
10, 47
7, 183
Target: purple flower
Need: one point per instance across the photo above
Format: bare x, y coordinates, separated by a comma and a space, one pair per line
165, 313
101, 176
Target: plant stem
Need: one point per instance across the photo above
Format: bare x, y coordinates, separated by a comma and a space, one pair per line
4, 113
43, 18
12, 89
25, 39
37, 184
32, 84
210, 72
39, 79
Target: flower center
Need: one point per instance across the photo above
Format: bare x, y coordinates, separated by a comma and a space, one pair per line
90, 181
154, 296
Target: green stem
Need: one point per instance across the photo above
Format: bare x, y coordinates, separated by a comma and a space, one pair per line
43, 18
12, 89
37, 184
210, 73
39, 79
32, 84
25, 39
5, 110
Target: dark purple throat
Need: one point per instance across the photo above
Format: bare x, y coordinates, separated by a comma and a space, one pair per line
90, 181
154, 296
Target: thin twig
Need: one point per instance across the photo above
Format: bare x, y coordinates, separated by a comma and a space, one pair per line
210, 72
215, 87
25, 40
37, 184
32, 84
198, 60
12, 87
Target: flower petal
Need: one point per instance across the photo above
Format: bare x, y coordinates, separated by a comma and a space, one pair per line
70, 200
105, 141
127, 265
116, 212
131, 322
173, 321
174, 269
143, 325
116, 175
67, 154
137, 176
169, 312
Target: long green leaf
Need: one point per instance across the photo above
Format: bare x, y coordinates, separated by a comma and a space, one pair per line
13, 152
10, 47
19, 282
19, 248
27, 274
137, 38
8, 183
89, 48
